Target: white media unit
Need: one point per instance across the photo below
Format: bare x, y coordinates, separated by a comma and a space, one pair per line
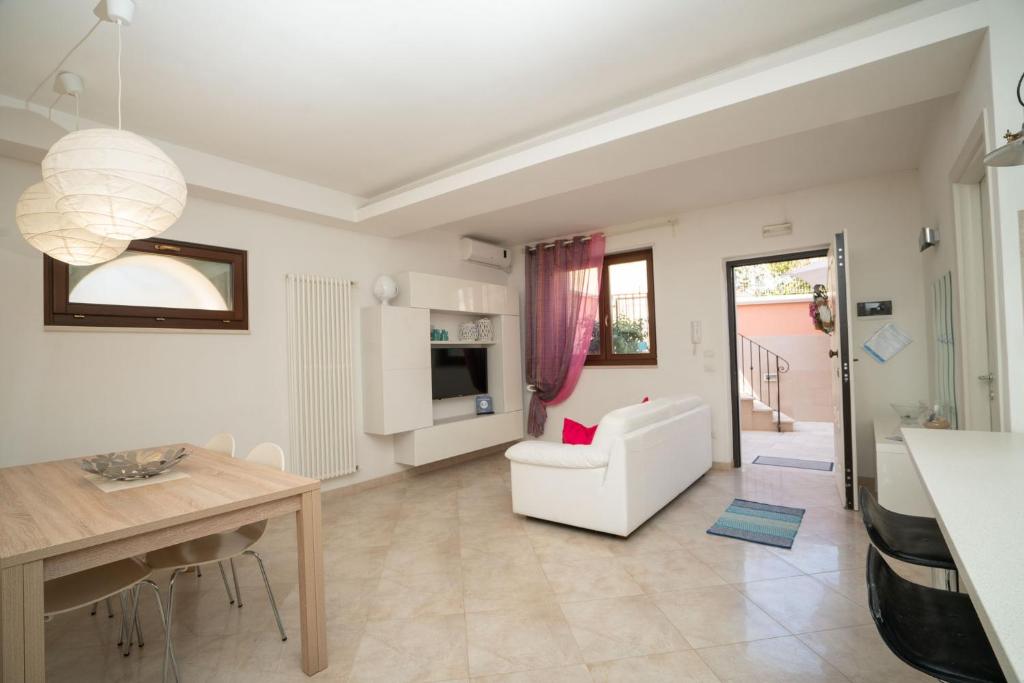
397, 396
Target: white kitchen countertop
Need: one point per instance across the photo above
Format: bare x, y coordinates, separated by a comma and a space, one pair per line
976, 483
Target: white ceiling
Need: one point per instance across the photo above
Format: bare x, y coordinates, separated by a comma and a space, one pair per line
364, 96
881, 143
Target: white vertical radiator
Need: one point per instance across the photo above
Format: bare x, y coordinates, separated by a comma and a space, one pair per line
320, 391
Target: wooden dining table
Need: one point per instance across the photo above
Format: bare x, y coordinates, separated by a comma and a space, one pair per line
55, 521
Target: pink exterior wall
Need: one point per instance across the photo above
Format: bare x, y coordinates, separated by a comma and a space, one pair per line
782, 319
786, 329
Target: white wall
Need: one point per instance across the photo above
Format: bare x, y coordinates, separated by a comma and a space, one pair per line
987, 95
74, 393
943, 148
1006, 61
882, 217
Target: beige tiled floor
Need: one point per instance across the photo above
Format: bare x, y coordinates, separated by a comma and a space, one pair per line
808, 440
435, 579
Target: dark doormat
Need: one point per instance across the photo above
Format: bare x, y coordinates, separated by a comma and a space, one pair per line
794, 462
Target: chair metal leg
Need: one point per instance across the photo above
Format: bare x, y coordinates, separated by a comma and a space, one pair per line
122, 638
168, 649
110, 609
270, 593
92, 612
199, 572
163, 622
227, 589
234, 575
135, 617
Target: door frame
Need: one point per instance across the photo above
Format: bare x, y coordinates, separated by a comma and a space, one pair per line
730, 291
972, 356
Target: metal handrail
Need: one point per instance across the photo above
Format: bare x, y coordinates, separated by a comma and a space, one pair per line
748, 347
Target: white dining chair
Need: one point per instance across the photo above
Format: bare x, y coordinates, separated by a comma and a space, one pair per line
222, 443
216, 548
123, 578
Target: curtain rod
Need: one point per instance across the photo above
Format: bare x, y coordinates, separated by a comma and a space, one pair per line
667, 222
551, 245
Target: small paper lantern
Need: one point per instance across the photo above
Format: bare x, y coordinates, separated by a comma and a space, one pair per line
44, 228
114, 183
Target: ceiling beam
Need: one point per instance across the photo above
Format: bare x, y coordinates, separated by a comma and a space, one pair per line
827, 56
27, 134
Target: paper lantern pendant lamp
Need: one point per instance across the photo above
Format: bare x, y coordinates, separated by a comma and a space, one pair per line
114, 183
44, 228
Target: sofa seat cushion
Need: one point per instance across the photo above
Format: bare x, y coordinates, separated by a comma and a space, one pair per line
550, 454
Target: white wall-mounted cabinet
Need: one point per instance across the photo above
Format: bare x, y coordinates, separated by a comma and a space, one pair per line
397, 391
396, 369
448, 438
442, 293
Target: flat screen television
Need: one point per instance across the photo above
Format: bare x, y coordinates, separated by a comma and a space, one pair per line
458, 371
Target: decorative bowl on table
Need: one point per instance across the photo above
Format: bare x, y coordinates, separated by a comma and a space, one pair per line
138, 464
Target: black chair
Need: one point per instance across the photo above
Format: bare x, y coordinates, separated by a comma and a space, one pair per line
932, 630
913, 539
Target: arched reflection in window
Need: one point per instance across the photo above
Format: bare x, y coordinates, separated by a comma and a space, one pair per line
157, 280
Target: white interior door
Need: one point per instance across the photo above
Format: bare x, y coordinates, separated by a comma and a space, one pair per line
842, 375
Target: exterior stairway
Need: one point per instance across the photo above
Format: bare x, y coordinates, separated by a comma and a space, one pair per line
760, 376
756, 416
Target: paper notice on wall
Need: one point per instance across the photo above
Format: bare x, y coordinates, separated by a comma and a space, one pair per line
887, 342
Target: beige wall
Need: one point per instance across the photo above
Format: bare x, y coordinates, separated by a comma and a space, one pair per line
882, 217
67, 394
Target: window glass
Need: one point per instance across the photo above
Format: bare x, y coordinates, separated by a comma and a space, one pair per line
155, 283
155, 280
628, 308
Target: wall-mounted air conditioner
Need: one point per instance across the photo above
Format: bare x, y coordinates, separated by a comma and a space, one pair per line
486, 254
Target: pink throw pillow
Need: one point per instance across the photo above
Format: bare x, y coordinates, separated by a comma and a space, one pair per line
577, 434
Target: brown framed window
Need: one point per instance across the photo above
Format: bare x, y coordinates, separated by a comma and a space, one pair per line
154, 283
624, 333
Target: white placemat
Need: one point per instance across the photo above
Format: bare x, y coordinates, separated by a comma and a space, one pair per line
111, 485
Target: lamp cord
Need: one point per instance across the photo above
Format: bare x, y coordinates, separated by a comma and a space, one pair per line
61, 62
49, 112
119, 74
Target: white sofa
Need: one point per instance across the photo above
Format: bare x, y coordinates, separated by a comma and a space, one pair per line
642, 457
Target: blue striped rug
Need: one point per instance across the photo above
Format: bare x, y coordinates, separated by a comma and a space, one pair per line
759, 523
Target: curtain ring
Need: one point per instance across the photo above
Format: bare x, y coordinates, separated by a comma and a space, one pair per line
532, 388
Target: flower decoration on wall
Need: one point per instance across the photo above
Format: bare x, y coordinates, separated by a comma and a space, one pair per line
821, 313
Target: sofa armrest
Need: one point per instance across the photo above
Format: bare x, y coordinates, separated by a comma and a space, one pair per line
550, 454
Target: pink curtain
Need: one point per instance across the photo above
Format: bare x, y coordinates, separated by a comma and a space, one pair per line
562, 286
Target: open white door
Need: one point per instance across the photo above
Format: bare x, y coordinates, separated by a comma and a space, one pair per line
842, 376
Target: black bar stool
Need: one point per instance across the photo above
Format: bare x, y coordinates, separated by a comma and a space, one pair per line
913, 539
932, 630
